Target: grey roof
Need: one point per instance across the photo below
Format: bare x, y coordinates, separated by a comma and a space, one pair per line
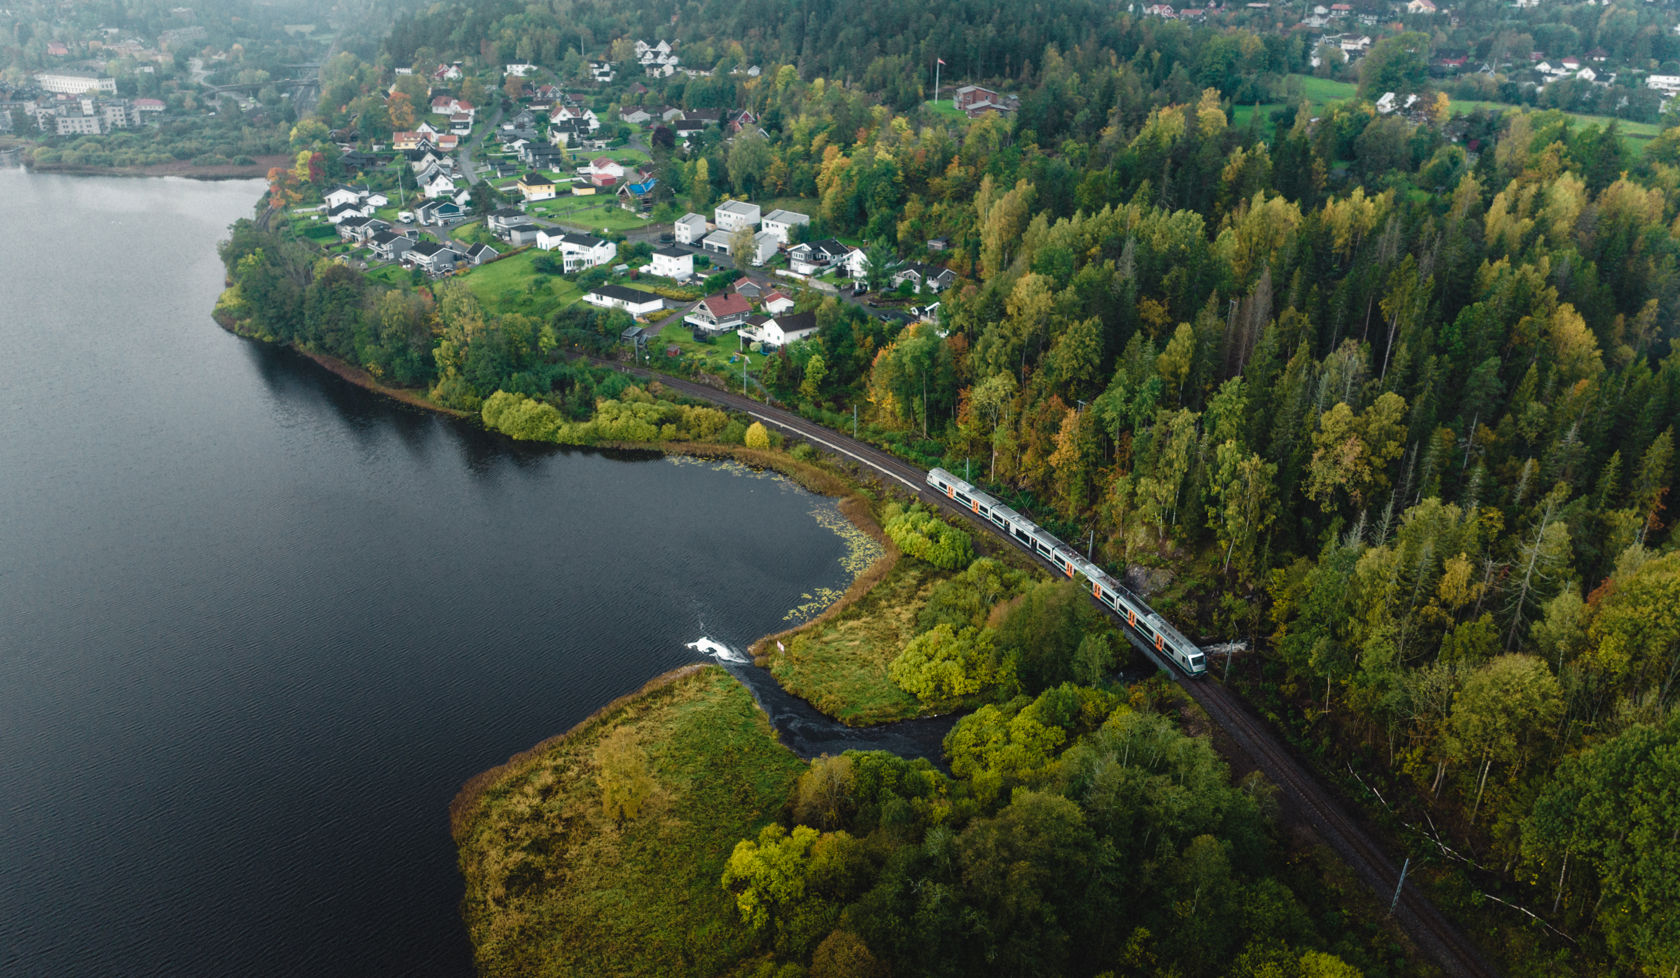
670, 252
624, 294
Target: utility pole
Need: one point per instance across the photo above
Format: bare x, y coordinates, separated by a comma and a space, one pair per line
854, 422
1396, 901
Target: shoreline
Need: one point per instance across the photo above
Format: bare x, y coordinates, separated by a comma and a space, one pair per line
176, 168
853, 506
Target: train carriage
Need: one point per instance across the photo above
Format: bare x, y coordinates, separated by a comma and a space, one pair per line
1134, 611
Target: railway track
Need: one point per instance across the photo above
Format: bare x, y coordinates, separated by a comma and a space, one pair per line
1435, 936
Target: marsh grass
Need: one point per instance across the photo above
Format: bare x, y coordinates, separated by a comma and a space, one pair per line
556, 887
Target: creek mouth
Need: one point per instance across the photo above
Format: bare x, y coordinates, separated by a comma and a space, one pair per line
810, 733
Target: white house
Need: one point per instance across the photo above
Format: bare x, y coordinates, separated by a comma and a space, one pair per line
924, 278
733, 215
689, 229
439, 185
764, 247
518, 70
776, 332
673, 263
577, 251
776, 303
633, 301
1666, 84
781, 224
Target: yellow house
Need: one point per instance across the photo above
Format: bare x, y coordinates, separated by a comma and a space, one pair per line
535, 186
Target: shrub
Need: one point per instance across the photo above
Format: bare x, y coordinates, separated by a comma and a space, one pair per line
925, 536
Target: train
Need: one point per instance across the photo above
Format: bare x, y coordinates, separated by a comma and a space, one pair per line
1131, 609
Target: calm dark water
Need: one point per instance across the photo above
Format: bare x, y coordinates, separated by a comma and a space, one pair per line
256, 626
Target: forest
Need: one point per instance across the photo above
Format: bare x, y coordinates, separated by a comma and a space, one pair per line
1393, 398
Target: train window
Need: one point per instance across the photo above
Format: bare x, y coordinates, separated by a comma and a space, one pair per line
961, 497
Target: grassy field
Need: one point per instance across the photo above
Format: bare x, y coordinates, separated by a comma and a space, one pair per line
492, 284
598, 213
945, 110
840, 665
555, 887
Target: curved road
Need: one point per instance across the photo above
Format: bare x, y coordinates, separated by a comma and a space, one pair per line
1302, 794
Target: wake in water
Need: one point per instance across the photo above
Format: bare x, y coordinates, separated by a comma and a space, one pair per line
716, 650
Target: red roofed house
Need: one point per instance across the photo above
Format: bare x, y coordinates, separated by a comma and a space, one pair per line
57, 49
719, 313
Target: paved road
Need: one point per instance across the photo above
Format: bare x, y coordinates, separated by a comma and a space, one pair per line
1303, 796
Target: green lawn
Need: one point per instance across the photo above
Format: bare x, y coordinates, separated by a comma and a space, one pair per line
723, 355
944, 109
512, 285
595, 214
1322, 90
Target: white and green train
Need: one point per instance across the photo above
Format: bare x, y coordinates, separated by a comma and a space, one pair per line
1132, 610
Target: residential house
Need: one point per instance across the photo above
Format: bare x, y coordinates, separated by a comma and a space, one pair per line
719, 313
338, 214
460, 124
633, 301
924, 278
775, 332
672, 263
764, 247
1420, 6
342, 195
603, 166
535, 186
636, 116
689, 229
520, 235
478, 254
733, 215
814, 257
390, 245
577, 251
741, 121
747, 287
438, 185
637, 196
566, 112
973, 101
434, 258
519, 70
438, 212
500, 220
776, 303
601, 72
781, 224
349, 226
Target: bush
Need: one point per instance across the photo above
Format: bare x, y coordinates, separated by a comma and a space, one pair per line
925, 536
944, 666
757, 436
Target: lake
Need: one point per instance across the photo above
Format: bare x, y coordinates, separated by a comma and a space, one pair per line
257, 625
